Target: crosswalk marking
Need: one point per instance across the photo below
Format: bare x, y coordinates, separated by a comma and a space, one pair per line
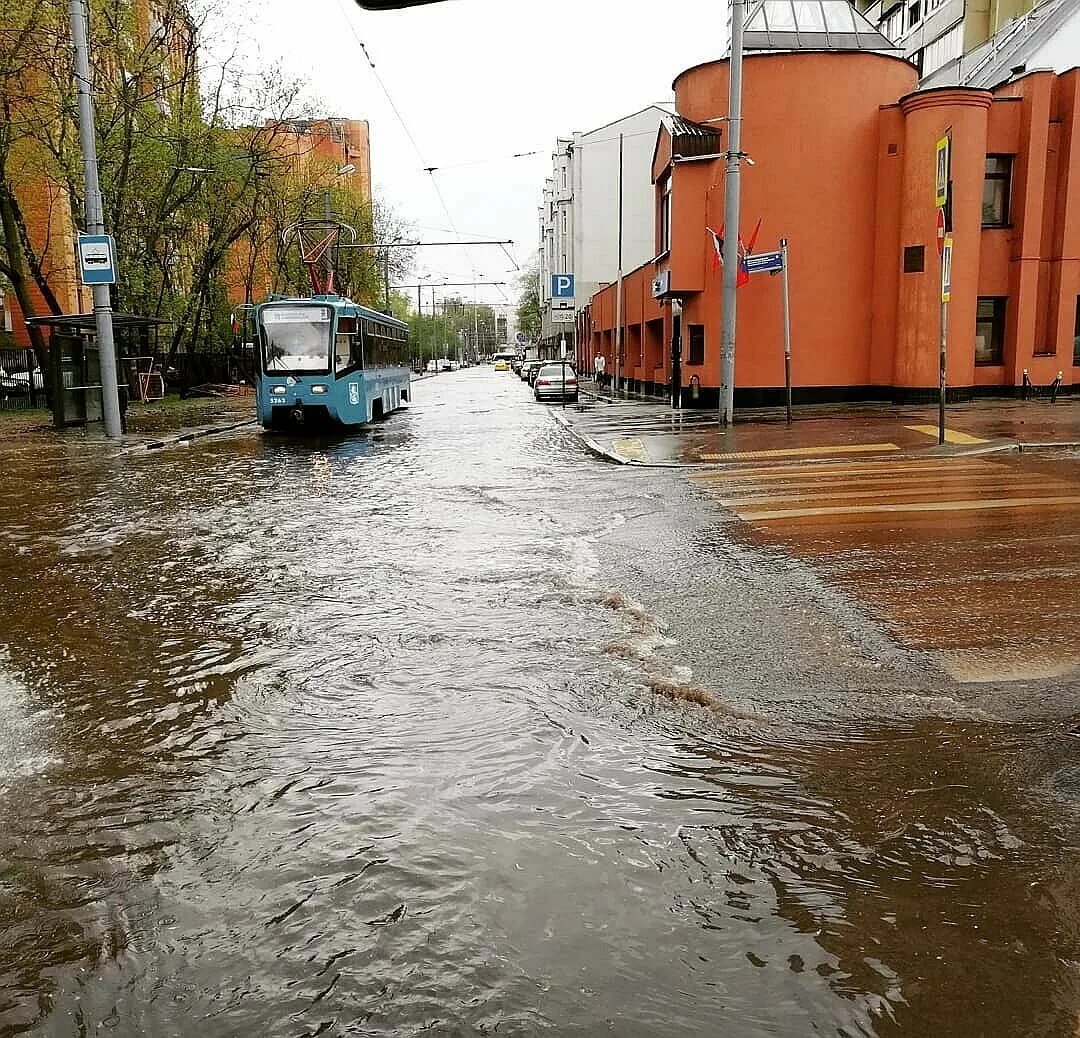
766, 515
951, 435
791, 452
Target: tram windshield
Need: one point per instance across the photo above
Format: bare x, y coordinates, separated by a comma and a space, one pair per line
296, 339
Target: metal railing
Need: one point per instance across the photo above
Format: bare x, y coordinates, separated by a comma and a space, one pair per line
22, 383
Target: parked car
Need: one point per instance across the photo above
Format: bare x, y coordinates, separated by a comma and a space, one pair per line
433, 367
515, 365
556, 381
531, 368
445, 364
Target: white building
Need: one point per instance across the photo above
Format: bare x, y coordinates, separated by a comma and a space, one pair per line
579, 217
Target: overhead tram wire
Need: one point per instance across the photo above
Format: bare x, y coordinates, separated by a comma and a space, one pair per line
405, 127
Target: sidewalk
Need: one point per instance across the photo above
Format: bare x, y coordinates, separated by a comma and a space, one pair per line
634, 431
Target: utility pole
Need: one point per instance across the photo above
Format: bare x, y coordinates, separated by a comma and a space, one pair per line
386, 278
95, 220
731, 218
420, 326
619, 289
329, 252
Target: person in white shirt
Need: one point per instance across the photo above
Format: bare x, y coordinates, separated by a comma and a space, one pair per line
599, 367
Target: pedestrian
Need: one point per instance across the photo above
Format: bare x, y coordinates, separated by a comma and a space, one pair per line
599, 366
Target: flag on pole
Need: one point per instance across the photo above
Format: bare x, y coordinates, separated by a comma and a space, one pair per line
718, 245
743, 275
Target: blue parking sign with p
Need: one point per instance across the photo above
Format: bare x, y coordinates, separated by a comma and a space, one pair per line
562, 286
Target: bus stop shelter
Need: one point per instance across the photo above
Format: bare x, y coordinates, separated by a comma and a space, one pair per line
73, 379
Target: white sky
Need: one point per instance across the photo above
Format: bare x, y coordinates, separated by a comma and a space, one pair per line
484, 79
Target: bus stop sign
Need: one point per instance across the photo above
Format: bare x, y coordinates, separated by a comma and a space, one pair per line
97, 259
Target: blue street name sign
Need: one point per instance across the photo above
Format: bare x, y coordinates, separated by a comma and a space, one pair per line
764, 263
562, 286
97, 263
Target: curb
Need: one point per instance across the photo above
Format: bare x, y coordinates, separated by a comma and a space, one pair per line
590, 444
197, 434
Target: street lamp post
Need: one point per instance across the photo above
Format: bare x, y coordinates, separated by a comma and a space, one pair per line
731, 218
95, 220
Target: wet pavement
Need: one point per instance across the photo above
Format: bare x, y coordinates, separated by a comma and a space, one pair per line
639, 431
449, 728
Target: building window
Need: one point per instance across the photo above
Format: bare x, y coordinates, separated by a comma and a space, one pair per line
893, 25
914, 259
990, 330
695, 344
913, 13
1076, 335
664, 222
996, 188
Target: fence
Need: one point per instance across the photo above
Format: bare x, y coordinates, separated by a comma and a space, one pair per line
22, 383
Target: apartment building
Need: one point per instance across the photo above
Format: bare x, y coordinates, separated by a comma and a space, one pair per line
579, 216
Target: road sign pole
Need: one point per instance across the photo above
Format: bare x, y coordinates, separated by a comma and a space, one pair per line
941, 371
95, 221
946, 293
787, 327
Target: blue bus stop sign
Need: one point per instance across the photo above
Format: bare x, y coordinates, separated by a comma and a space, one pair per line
97, 259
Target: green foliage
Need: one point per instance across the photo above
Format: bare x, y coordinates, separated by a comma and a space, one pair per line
528, 305
191, 161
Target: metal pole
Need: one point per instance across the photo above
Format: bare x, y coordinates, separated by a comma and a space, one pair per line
787, 326
386, 278
676, 354
619, 290
731, 218
328, 213
941, 371
562, 357
420, 326
95, 221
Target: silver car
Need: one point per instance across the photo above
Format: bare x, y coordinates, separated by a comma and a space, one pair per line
556, 382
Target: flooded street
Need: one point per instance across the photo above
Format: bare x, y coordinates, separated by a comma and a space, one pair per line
449, 728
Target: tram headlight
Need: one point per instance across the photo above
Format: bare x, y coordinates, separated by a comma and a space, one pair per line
277, 390
319, 389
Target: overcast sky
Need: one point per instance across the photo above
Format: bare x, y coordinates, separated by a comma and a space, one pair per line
482, 80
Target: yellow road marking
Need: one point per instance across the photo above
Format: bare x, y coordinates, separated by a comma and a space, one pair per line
791, 452
951, 435
753, 515
630, 447
765, 497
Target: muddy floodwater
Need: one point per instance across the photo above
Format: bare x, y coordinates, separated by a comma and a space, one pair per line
448, 728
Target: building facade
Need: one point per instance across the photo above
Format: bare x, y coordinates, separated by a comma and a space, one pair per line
579, 216
844, 149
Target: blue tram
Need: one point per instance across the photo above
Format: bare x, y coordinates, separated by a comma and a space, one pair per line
325, 360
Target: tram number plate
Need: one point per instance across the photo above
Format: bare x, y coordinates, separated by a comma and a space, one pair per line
354, 393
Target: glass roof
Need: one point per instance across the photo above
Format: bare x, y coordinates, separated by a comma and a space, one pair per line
810, 25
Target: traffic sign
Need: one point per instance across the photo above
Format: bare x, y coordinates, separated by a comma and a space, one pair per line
562, 286
563, 316
97, 263
941, 182
521, 338
946, 268
940, 231
763, 263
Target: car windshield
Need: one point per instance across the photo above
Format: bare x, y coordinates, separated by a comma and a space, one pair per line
296, 339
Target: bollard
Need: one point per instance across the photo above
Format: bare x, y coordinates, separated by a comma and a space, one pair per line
1054, 387
695, 387
1025, 387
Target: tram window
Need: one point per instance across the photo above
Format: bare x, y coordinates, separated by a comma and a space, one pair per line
342, 351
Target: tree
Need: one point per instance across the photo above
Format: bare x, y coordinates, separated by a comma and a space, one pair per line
528, 305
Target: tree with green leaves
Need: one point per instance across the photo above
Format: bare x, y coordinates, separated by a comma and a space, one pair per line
528, 303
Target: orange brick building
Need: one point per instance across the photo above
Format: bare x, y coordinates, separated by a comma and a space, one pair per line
844, 168
310, 152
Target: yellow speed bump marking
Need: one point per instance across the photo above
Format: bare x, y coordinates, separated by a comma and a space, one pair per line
951, 435
631, 447
795, 452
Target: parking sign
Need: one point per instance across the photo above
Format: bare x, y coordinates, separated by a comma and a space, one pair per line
562, 286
